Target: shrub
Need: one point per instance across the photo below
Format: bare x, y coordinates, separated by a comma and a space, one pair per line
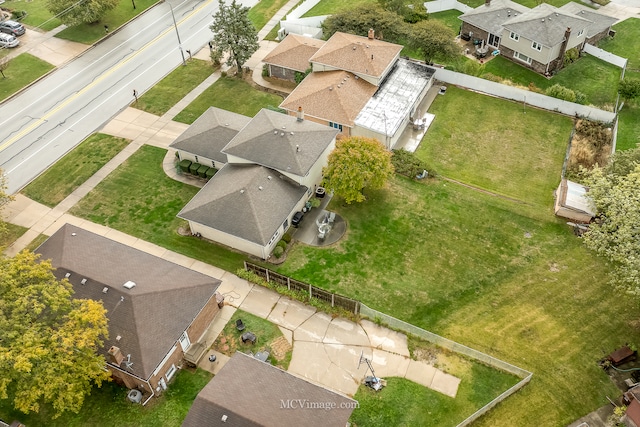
193, 169
287, 238
561, 92
278, 251
492, 77
406, 163
315, 202
299, 77
282, 244
472, 68
265, 70
581, 98
185, 165
571, 56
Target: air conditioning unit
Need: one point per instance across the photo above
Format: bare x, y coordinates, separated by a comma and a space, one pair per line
282, 33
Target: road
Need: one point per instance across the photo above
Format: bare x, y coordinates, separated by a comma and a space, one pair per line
57, 113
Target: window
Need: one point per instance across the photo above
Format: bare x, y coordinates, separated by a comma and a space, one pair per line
213, 164
514, 36
336, 126
170, 372
581, 32
184, 341
196, 159
521, 57
274, 237
537, 46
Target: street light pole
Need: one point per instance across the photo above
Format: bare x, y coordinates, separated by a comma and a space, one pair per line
177, 34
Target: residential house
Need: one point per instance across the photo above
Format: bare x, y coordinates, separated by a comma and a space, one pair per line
572, 203
601, 24
155, 308
361, 86
248, 392
291, 56
204, 140
273, 166
536, 38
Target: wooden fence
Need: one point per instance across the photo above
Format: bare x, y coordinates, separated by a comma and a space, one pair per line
334, 300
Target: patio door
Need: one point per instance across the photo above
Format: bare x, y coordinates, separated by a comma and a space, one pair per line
494, 40
184, 341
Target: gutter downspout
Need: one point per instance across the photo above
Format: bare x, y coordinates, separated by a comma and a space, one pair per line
153, 393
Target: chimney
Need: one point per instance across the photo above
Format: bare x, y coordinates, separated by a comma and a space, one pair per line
115, 355
300, 116
371, 34
563, 49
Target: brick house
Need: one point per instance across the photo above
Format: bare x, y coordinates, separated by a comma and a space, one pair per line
155, 308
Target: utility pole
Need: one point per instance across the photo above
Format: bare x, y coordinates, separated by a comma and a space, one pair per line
177, 34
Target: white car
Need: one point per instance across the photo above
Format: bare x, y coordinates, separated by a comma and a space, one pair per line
7, 40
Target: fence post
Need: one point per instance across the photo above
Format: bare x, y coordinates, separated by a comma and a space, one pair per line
310, 293
288, 283
333, 299
266, 270
246, 268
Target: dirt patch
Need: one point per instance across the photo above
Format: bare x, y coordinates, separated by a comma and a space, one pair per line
280, 347
590, 146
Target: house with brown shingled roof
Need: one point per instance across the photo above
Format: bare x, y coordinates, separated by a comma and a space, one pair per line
291, 56
156, 309
250, 393
273, 165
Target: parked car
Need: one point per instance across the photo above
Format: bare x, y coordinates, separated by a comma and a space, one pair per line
12, 27
297, 217
7, 40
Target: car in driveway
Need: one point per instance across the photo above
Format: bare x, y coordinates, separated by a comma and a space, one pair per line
12, 27
297, 218
7, 40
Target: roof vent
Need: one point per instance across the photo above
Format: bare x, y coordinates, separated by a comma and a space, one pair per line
357, 77
297, 148
542, 19
339, 86
284, 127
73, 234
226, 124
260, 187
354, 47
242, 191
118, 338
105, 290
66, 276
281, 133
224, 418
330, 87
83, 282
269, 177
129, 284
291, 133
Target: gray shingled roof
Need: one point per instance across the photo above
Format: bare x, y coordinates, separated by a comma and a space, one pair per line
491, 17
391, 104
246, 201
209, 134
150, 317
600, 22
357, 54
251, 393
294, 52
279, 141
545, 24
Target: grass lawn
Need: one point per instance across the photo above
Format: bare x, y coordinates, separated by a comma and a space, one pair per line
139, 199
448, 18
268, 336
595, 78
90, 33
329, 7
405, 403
263, 11
508, 279
11, 234
74, 169
625, 43
37, 13
493, 145
175, 86
629, 127
108, 406
23, 70
231, 94
35, 243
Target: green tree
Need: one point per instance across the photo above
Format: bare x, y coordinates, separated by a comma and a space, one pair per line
388, 25
433, 40
629, 89
48, 340
616, 231
72, 12
355, 164
234, 34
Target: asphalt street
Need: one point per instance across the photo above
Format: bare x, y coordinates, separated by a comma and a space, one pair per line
55, 114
